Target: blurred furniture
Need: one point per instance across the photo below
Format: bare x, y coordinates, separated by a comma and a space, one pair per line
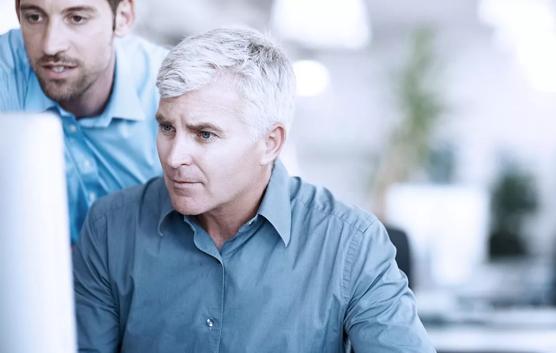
479, 339
482, 329
448, 226
501, 331
403, 251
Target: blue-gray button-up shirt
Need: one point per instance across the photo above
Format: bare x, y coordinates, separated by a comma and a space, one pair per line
303, 274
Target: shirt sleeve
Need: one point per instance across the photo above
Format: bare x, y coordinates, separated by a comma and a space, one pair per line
96, 309
381, 316
5, 89
14, 71
9, 90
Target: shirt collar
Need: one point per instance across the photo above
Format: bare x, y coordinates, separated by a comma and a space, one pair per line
124, 101
35, 100
165, 205
275, 206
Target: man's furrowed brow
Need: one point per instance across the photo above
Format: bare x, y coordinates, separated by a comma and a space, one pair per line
88, 9
204, 126
160, 117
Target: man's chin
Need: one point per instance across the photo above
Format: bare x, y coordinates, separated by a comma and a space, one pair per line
58, 90
186, 207
59, 93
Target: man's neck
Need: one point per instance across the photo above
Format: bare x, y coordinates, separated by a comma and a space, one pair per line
95, 98
223, 223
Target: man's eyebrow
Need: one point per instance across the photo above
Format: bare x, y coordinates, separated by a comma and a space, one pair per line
196, 127
160, 118
80, 8
204, 126
26, 7
90, 9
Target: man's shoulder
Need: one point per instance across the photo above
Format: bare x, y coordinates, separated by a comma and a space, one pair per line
12, 50
127, 202
140, 61
15, 71
318, 202
140, 51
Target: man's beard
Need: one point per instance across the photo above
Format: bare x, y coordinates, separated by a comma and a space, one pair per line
63, 90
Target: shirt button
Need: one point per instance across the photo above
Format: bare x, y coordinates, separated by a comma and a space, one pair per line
210, 323
72, 128
87, 165
92, 196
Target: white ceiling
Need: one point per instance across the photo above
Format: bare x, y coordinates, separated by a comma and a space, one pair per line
166, 19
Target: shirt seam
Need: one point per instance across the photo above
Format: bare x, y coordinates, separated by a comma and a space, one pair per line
348, 265
95, 229
361, 222
360, 225
107, 210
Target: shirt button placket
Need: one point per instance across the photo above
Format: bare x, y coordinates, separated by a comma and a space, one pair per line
72, 128
87, 165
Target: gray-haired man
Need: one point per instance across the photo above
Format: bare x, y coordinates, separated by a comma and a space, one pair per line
227, 253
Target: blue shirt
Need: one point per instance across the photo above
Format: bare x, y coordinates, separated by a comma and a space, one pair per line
104, 153
303, 274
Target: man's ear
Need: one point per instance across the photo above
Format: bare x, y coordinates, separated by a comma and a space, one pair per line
273, 142
125, 17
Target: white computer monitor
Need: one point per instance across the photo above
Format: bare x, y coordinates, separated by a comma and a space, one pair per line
36, 299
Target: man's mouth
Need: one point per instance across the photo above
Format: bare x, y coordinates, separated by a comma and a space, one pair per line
57, 70
184, 181
58, 67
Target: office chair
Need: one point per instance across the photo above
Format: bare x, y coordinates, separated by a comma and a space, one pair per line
403, 251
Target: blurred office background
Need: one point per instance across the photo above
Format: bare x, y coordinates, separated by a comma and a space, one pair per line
440, 117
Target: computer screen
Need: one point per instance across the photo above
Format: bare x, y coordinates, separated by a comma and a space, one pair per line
36, 300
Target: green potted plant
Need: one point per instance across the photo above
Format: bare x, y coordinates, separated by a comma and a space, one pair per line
409, 147
513, 199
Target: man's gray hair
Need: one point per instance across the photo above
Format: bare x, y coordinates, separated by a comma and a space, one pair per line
260, 70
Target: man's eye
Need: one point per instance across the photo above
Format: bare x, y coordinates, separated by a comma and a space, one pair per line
78, 20
206, 135
33, 18
165, 128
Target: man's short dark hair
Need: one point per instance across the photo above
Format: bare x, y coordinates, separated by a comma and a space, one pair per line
114, 5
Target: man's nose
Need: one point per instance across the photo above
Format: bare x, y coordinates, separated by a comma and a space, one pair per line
181, 152
55, 39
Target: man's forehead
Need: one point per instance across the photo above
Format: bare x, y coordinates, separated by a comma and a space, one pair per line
192, 111
198, 106
62, 3
180, 107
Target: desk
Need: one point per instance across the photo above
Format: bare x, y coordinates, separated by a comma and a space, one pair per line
501, 331
477, 339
